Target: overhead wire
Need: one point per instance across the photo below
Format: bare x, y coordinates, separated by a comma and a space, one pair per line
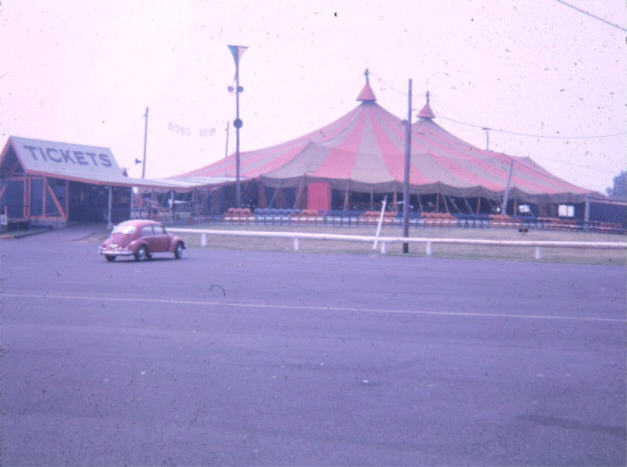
515, 133
531, 135
609, 23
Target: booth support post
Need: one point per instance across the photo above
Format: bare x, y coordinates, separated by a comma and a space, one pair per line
109, 204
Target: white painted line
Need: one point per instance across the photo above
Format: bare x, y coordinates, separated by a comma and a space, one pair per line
311, 307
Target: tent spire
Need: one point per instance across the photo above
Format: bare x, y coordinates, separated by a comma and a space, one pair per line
426, 111
367, 94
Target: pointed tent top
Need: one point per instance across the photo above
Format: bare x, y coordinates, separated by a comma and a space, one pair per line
366, 94
426, 111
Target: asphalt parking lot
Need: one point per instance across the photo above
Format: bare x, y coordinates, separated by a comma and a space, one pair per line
266, 358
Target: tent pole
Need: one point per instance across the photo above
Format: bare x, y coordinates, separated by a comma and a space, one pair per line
372, 198
419, 202
478, 205
454, 204
437, 202
507, 187
300, 192
445, 203
261, 195
467, 205
273, 197
346, 196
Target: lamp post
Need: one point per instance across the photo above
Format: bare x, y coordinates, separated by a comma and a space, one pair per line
237, 51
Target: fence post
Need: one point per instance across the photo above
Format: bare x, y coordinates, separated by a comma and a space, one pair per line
203, 240
296, 244
428, 249
538, 254
383, 248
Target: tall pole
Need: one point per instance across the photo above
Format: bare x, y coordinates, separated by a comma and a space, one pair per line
238, 124
237, 51
406, 175
145, 142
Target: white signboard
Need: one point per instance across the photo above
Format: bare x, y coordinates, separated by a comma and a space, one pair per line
68, 160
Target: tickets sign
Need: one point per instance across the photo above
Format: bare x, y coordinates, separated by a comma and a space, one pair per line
67, 160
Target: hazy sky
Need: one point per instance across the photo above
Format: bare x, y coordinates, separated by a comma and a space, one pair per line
83, 72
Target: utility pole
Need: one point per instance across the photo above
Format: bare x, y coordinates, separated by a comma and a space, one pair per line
226, 149
507, 188
487, 137
407, 167
145, 143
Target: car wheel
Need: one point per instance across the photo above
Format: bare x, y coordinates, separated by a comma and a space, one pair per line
110, 258
141, 254
178, 251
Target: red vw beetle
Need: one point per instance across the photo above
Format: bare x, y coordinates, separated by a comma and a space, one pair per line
140, 238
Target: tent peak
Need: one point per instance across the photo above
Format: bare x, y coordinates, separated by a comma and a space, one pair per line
367, 94
426, 111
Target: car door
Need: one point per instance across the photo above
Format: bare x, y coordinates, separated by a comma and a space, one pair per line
162, 241
148, 236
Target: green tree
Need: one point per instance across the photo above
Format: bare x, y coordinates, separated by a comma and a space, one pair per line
619, 190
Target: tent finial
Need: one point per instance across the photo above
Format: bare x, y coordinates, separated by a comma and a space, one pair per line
426, 111
366, 94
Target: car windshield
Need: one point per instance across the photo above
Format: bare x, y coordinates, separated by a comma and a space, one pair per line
124, 229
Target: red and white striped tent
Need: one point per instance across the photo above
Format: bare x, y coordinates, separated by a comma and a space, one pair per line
363, 151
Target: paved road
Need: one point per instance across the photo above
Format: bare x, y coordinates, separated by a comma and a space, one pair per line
239, 358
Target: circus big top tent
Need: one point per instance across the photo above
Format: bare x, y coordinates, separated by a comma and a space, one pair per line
354, 160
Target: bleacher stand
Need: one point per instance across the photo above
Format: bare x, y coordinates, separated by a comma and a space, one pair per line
438, 219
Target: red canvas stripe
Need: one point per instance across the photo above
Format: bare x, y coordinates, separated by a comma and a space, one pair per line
393, 149
341, 159
438, 146
535, 181
261, 161
495, 164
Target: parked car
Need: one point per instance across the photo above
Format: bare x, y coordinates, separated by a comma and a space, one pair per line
140, 238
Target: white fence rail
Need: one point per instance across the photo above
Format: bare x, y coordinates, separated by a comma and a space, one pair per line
383, 241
